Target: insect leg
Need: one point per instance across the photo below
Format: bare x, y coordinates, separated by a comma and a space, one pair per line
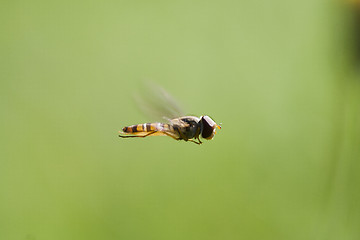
198, 143
129, 136
182, 136
170, 135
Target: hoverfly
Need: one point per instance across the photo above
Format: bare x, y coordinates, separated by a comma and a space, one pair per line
187, 128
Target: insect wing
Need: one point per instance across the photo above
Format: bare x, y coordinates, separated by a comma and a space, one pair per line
157, 103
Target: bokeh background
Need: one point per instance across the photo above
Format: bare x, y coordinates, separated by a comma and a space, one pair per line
281, 76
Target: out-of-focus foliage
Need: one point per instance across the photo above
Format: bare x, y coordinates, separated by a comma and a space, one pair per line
279, 75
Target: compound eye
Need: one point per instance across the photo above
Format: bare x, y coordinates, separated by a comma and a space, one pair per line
208, 127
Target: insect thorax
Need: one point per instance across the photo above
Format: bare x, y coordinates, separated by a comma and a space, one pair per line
189, 127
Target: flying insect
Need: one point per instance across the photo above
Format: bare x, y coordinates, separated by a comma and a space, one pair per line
187, 128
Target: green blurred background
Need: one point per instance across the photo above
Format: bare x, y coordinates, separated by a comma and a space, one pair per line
279, 75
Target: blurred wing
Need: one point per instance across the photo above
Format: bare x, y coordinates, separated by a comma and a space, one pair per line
157, 103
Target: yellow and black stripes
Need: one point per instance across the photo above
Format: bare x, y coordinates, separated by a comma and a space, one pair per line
148, 127
151, 129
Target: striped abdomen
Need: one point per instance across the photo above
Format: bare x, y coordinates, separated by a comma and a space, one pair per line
148, 127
